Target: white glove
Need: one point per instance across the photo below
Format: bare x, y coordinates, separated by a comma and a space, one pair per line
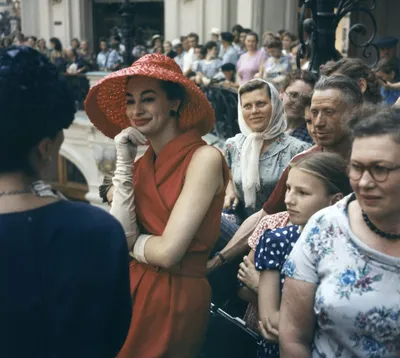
126, 144
123, 204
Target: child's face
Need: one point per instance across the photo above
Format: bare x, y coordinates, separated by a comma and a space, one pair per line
274, 52
228, 75
386, 77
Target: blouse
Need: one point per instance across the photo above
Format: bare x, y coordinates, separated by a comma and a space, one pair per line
275, 67
248, 66
209, 68
271, 165
357, 301
272, 251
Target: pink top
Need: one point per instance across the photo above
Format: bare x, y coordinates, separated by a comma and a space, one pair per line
248, 66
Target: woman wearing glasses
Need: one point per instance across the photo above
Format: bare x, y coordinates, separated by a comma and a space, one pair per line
342, 291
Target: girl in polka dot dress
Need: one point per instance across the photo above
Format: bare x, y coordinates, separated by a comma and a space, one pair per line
314, 182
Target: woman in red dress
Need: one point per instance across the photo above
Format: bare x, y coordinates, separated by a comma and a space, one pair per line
170, 207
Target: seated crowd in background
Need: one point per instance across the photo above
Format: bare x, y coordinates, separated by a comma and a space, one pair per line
309, 239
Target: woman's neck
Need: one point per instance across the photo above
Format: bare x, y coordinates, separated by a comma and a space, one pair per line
388, 223
251, 52
160, 140
17, 181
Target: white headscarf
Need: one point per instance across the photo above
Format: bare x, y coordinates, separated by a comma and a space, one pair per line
251, 150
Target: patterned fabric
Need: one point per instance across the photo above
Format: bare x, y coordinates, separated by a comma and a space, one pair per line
268, 222
275, 67
209, 68
228, 228
301, 133
272, 251
271, 165
389, 96
357, 301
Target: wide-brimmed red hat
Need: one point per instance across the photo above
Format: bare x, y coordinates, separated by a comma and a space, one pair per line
105, 104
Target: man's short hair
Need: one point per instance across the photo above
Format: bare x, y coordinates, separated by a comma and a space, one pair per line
350, 90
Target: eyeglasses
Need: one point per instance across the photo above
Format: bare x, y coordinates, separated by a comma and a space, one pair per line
378, 172
295, 96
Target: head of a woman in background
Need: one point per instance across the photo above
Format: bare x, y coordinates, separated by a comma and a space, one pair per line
211, 50
55, 44
85, 46
31, 135
75, 43
359, 72
167, 45
41, 44
315, 182
374, 168
274, 47
387, 70
251, 42
288, 39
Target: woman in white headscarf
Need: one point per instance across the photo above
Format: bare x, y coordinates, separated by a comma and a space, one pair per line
258, 155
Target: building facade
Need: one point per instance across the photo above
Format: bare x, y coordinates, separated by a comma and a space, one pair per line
67, 19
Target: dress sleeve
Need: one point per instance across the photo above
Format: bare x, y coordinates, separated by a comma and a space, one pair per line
228, 148
270, 251
302, 262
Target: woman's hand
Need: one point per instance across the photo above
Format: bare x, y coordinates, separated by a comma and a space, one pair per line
126, 144
231, 201
248, 275
268, 327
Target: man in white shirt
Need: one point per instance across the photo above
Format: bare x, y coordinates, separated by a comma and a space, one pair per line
178, 48
189, 56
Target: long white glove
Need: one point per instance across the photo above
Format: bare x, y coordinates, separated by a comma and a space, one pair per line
123, 204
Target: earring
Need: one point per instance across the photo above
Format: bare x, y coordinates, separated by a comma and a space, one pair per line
173, 113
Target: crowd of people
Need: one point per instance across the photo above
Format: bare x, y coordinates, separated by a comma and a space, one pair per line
299, 213
228, 58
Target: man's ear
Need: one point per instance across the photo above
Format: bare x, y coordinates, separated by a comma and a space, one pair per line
362, 82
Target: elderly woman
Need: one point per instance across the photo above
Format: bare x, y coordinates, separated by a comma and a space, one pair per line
259, 154
342, 290
57, 297
174, 197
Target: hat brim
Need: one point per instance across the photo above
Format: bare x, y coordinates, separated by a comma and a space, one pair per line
105, 104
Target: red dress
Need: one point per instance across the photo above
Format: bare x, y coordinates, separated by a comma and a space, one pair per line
170, 307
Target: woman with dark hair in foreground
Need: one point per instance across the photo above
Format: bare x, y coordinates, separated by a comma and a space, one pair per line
64, 265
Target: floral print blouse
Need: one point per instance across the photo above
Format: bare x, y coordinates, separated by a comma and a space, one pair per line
271, 165
357, 301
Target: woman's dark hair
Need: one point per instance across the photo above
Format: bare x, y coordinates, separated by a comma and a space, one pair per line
289, 34
274, 42
251, 33
75, 52
253, 85
381, 122
174, 91
210, 45
387, 66
355, 69
330, 167
238, 28
6, 42
77, 41
36, 104
57, 44
300, 75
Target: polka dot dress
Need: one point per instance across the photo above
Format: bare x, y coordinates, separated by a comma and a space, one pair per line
272, 251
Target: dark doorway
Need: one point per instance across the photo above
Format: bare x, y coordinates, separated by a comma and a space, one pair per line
148, 19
